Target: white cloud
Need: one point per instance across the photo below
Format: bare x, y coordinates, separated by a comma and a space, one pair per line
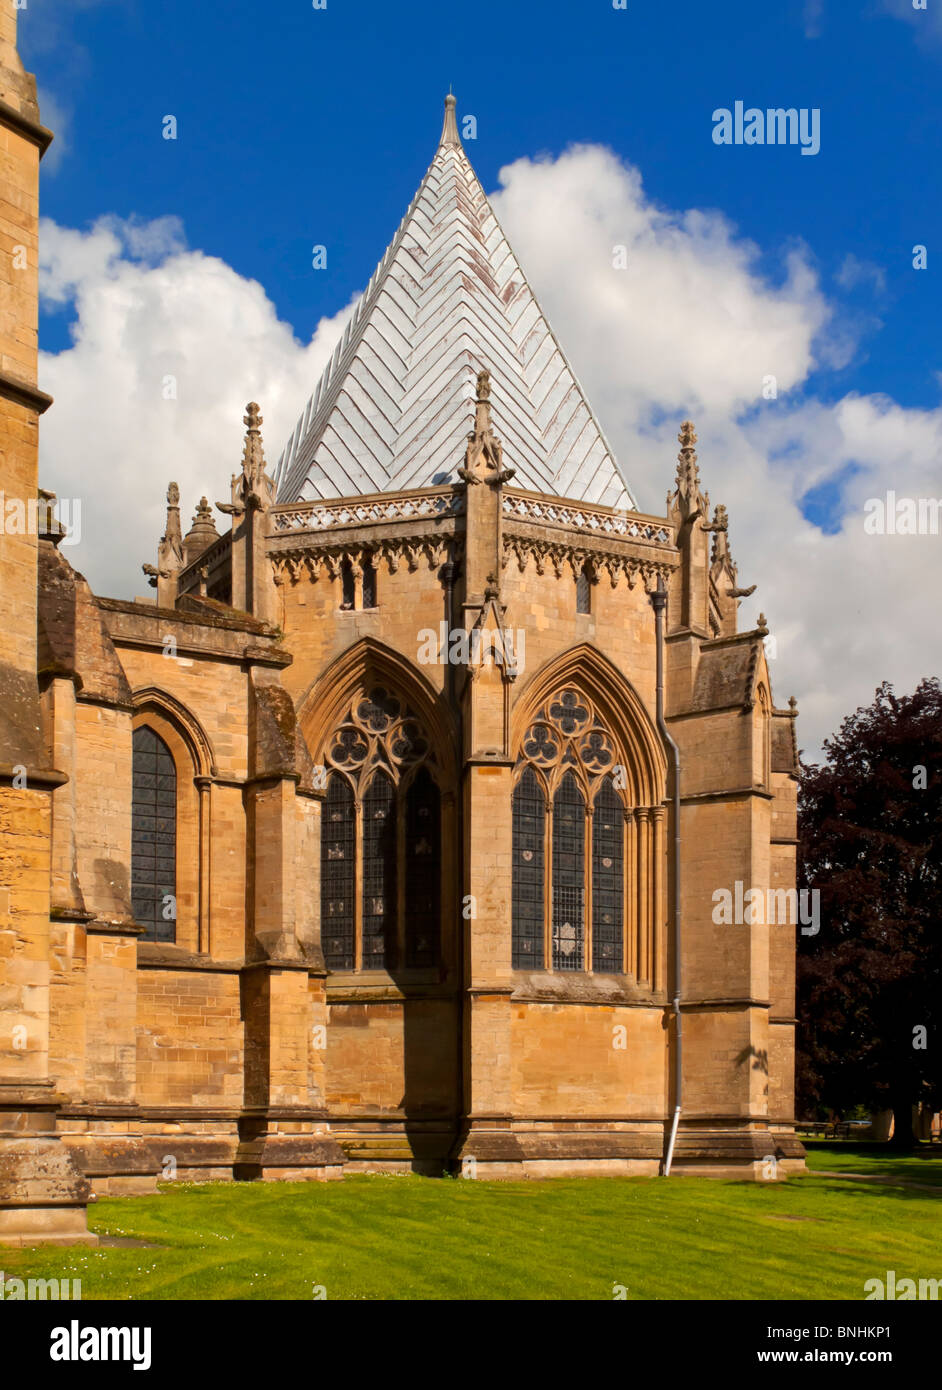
146, 309
690, 327
854, 272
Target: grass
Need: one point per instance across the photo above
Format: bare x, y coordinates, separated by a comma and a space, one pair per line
383, 1237
922, 1165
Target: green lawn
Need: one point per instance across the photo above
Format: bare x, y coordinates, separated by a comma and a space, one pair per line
409, 1237
923, 1165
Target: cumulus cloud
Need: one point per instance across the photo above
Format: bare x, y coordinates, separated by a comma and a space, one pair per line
168, 346
693, 328
694, 324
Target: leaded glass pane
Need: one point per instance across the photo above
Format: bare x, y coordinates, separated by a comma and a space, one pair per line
338, 874
423, 870
529, 820
369, 586
154, 836
379, 874
608, 840
583, 591
568, 876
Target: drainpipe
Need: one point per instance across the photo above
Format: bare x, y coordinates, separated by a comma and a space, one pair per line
659, 602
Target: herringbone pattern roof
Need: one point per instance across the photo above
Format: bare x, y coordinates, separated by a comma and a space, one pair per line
393, 408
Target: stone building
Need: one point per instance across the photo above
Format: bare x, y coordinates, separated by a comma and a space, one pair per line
387, 832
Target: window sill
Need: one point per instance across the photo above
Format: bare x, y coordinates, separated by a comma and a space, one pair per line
581, 987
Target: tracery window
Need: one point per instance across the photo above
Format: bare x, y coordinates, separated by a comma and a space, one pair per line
380, 840
568, 842
153, 835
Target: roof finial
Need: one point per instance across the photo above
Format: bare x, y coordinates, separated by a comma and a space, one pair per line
450, 126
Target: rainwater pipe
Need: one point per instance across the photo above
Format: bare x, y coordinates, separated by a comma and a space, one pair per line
659, 603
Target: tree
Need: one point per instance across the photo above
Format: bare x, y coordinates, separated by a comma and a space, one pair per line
870, 841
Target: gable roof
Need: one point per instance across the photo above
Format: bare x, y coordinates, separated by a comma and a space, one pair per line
393, 407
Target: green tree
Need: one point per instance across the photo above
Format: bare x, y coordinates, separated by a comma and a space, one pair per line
870, 841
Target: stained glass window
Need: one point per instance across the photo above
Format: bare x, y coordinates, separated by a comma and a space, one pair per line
568, 875
422, 870
608, 839
379, 874
338, 874
529, 821
154, 836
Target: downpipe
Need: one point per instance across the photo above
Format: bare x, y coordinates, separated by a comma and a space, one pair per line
659, 603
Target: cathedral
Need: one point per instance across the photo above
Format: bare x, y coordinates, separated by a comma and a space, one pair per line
385, 832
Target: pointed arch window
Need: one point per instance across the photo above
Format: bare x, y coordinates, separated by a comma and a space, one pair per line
338, 874
568, 875
153, 835
528, 874
570, 864
608, 870
423, 869
379, 873
382, 824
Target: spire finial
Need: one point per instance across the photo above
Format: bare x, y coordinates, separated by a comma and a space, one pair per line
253, 457
172, 532
450, 125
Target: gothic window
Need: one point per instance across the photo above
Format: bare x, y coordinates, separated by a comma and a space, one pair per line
369, 584
568, 875
338, 874
568, 864
423, 868
583, 591
153, 835
381, 877
608, 847
348, 592
529, 823
379, 873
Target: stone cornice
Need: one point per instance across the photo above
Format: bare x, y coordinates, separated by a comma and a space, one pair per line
24, 393
23, 125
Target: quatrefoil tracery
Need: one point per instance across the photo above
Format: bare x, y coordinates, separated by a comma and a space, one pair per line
378, 731
568, 734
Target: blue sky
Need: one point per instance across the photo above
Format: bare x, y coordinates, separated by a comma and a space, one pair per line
299, 126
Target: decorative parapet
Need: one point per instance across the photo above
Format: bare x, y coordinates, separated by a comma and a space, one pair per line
430, 503
593, 521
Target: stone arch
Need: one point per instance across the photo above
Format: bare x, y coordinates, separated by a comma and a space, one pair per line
619, 706
632, 938
345, 742
151, 700
371, 662
195, 765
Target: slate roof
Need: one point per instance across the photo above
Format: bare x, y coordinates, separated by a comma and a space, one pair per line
393, 408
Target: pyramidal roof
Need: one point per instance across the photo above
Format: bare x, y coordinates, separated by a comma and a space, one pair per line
394, 405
